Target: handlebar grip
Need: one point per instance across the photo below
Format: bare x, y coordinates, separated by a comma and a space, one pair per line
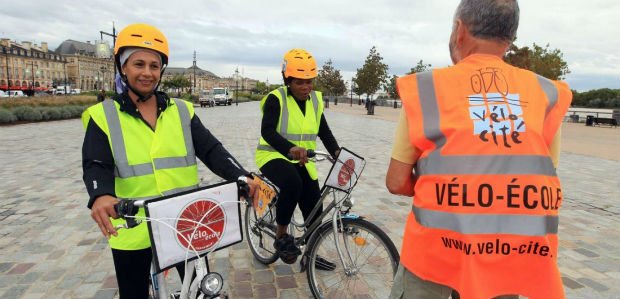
244, 188
310, 153
124, 208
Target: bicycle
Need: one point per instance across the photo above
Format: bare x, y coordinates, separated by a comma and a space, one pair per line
365, 257
199, 228
484, 80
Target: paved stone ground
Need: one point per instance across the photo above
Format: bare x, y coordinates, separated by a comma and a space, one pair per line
50, 248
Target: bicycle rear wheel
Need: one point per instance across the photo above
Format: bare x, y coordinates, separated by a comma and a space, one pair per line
260, 233
369, 270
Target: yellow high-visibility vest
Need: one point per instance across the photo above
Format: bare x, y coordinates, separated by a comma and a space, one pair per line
293, 125
148, 164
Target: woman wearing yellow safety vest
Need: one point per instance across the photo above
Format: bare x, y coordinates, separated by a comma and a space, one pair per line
292, 119
141, 145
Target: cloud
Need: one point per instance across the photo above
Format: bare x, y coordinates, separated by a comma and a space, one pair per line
254, 35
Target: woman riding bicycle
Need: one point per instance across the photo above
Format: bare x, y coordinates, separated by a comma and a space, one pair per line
140, 145
292, 119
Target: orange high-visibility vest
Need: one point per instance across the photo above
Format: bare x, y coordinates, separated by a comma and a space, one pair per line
484, 219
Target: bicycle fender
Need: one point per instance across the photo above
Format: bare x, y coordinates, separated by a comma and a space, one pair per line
352, 216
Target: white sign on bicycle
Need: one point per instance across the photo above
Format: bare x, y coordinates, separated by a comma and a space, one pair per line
200, 221
346, 171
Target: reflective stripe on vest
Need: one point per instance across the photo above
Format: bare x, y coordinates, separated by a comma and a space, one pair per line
527, 225
298, 127
285, 116
165, 193
437, 164
123, 169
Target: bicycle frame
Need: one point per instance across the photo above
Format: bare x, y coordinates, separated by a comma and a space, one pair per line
335, 207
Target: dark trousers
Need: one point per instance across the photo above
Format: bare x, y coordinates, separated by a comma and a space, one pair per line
132, 272
296, 187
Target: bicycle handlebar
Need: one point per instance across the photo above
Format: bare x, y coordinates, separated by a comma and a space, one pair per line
317, 155
128, 207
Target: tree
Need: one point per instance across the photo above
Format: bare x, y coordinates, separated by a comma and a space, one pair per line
329, 80
373, 74
420, 67
177, 82
390, 87
546, 62
261, 88
597, 98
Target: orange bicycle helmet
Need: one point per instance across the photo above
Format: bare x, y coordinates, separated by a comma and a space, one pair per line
142, 36
299, 63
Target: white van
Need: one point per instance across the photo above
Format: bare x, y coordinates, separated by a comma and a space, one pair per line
3, 94
15, 93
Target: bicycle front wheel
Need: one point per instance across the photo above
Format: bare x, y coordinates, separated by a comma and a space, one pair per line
370, 261
260, 233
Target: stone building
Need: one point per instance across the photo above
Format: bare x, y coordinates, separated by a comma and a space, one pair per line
86, 66
90, 65
30, 67
206, 80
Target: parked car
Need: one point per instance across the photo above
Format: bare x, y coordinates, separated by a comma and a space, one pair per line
3, 94
205, 99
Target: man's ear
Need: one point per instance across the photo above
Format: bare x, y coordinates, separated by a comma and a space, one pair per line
462, 33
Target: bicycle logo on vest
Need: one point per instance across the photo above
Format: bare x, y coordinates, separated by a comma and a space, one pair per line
344, 175
493, 110
203, 236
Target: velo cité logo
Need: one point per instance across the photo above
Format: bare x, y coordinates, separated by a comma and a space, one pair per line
344, 176
203, 231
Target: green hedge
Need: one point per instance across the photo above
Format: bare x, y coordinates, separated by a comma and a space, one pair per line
6, 116
39, 113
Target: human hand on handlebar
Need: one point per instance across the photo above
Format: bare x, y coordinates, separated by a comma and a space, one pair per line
252, 188
298, 153
102, 210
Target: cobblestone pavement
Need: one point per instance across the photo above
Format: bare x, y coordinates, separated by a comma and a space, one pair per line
50, 248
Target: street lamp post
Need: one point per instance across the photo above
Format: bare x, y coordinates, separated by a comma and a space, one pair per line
65, 69
113, 35
8, 73
32, 86
103, 69
352, 84
237, 87
33, 73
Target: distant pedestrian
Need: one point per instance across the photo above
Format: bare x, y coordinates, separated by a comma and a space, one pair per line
101, 96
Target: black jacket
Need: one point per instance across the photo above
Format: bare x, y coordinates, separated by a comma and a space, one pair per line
271, 116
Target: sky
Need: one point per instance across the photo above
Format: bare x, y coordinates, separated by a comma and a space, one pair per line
254, 35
